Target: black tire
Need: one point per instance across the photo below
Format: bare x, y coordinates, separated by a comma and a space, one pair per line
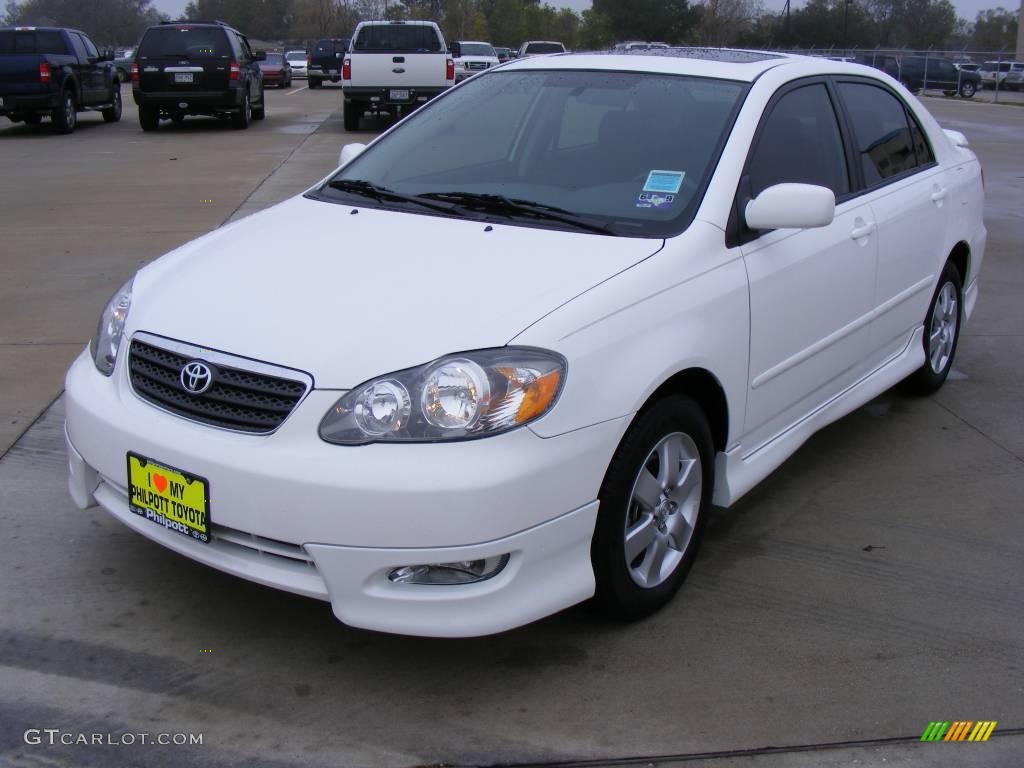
938, 362
32, 118
149, 118
65, 116
243, 116
314, 82
177, 119
112, 114
967, 90
618, 594
353, 114
260, 112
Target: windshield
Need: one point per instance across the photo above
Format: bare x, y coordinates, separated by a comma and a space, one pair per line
545, 48
477, 49
629, 150
273, 58
296, 56
387, 38
185, 42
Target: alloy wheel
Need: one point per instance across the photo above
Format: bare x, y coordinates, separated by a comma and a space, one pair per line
942, 333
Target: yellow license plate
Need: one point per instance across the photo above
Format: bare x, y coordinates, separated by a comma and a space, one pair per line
178, 501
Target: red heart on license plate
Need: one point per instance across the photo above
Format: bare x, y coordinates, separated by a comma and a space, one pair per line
160, 482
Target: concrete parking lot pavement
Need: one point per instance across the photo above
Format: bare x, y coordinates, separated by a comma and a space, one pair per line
870, 586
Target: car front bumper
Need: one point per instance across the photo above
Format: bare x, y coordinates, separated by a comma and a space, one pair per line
290, 511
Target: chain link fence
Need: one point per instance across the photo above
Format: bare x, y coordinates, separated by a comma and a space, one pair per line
1001, 76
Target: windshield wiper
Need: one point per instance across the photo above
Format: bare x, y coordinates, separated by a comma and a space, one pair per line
365, 188
510, 206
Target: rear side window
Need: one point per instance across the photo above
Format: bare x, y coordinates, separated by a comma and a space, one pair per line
184, 42
386, 38
800, 143
40, 41
885, 145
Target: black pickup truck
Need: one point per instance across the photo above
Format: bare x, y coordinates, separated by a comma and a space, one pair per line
58, 72
325, 60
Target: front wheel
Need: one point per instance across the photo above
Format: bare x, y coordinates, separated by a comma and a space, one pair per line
967, 90
353, 114
149, 118
941, 334
654, 501
32, 118
112, 114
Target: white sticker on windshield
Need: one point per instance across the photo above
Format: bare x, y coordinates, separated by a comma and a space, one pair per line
666, 182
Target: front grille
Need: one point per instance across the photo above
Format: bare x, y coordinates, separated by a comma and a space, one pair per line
263, 547
238, 399
477, 65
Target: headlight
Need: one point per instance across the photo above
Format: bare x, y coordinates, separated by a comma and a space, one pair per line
105, 343
475, 394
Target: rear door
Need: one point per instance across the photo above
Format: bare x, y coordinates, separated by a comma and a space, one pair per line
396, 55
184, 58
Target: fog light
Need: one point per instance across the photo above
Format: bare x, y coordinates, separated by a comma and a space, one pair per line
464, 572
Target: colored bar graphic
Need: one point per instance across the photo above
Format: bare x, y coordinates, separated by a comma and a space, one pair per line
959, 730
982, 730
934, 731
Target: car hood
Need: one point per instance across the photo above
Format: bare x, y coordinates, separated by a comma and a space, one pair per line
349, 295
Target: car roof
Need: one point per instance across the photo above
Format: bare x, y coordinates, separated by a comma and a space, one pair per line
397, 23
726, 63
472, 42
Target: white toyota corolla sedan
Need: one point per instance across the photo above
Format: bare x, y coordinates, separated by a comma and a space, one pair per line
526, 339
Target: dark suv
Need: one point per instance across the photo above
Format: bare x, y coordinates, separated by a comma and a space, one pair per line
197, 68
917, 72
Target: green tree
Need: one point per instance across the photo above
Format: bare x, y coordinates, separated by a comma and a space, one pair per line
995, 30
671, 21
107, 22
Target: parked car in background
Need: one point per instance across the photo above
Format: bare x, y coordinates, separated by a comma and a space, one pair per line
540, 48
539, 361
276, 70
1014, 80
505, 54
918, 72
471, 56
55, 72
967, 67
123, 65
187, 68
324, 62
888, 64
394, 66
299, 62
993, 72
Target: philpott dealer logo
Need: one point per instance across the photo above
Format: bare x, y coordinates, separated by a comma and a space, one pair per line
959, 730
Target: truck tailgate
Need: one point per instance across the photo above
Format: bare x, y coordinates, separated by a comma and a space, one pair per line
19, 74
398, 69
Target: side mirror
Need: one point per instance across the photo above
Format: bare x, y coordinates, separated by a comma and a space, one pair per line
107, 55
349, 153
791, 206
457, 50
260, 56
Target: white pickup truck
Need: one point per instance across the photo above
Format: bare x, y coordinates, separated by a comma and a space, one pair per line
394, 66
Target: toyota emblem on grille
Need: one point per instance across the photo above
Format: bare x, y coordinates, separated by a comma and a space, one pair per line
196, 377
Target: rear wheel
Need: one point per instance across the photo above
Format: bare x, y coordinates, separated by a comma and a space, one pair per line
244, 115
32, 118
654, 500
941, 334
178, 119
65, 117
112, 114
260, 112
353, 113
149, 118
967, 90
314, 82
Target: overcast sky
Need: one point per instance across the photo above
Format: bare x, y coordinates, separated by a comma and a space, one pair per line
966, 8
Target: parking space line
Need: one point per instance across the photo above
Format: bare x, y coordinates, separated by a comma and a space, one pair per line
295, 91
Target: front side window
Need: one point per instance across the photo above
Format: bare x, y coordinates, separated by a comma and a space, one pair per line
629, 151
882, 134
79, 46
90, 49
800, 143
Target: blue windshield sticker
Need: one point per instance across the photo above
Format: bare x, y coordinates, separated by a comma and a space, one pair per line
654, 200
666, 182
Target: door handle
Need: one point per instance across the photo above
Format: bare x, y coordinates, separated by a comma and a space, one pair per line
939, 194
862, 231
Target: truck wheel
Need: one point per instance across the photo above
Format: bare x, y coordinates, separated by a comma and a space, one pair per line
149, 118
244, 114
967, 90
112, 114
353, 114
65, 116
260, 112
32, 118
314, 82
